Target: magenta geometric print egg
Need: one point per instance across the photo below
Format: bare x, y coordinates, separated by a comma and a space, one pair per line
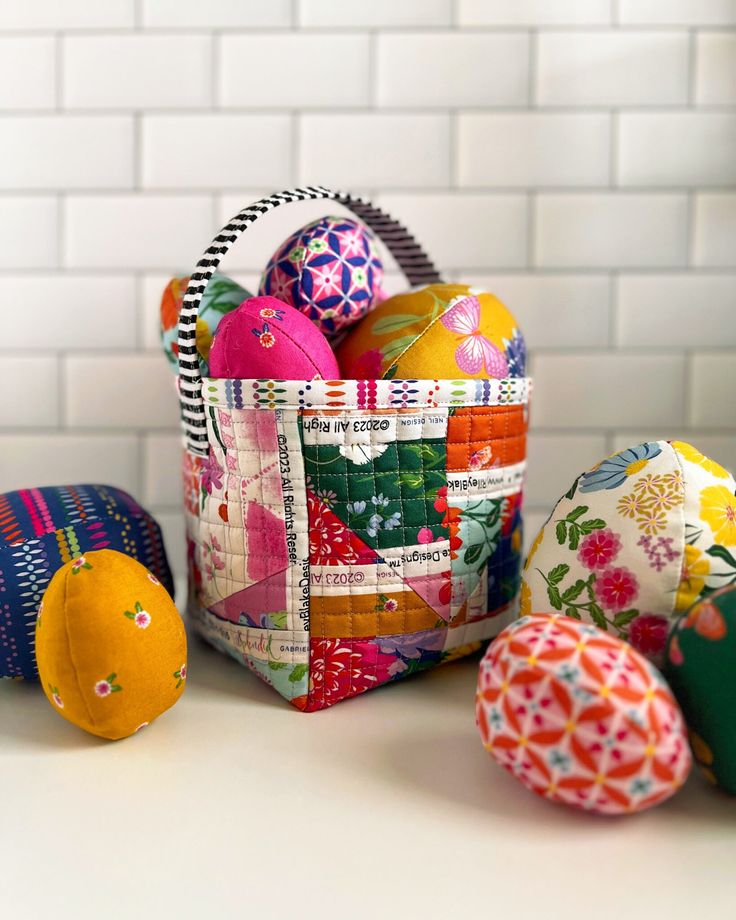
580, 717
329, 270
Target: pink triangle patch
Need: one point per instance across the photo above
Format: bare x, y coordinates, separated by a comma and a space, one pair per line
435, 591
267, 533
252, 604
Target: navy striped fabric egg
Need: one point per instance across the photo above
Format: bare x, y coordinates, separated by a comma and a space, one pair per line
40, 530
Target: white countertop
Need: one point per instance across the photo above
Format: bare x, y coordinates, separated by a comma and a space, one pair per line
234, 804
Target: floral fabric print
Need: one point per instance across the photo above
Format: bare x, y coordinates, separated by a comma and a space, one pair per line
343, 668
700, 664
330, 541
384, 493
141, 617
79, 565
107, 686
693, 455
54, 691
221, 296
599, 549
636, 540
718, 510
579, 717
611, 473
695, 569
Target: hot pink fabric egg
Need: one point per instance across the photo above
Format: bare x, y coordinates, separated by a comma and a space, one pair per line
580, 717
266, 338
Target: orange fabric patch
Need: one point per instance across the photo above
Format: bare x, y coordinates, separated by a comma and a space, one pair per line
347, 616
480, 436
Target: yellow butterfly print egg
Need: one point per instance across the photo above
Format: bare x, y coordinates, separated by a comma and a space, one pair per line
110, 645
441, 331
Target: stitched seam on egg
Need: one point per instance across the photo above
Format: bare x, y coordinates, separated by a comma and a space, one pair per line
67, 576
294, 342
300, 242
682, 541
297, 285
426, 329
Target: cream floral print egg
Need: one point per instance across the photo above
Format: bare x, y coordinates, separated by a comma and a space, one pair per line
635, 541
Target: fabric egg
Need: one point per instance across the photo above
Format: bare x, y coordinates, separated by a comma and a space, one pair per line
329, 271
700, 666
580, 717
110, 644
442, 331
221, 295
635, 541
267, 339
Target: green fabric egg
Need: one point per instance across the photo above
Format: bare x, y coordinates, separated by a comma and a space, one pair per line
222, 295
700, 666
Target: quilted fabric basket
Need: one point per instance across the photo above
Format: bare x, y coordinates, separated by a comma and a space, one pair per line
345, 533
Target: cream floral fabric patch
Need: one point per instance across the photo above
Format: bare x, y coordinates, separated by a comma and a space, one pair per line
636, 540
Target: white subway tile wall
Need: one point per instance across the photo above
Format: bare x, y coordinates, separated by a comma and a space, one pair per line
715, 230
598, 229
578, 157
66, 151
454, 69
716, 68
376, 149
136, 71
256, 146
294, 70
514, 149
35, 58
614, 67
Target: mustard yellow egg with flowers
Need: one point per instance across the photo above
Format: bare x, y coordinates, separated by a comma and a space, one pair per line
441, 331
110, 645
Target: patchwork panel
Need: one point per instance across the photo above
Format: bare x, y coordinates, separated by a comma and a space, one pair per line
379, 482
340, 539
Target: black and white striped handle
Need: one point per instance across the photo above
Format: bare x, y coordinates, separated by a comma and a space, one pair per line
411, 258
